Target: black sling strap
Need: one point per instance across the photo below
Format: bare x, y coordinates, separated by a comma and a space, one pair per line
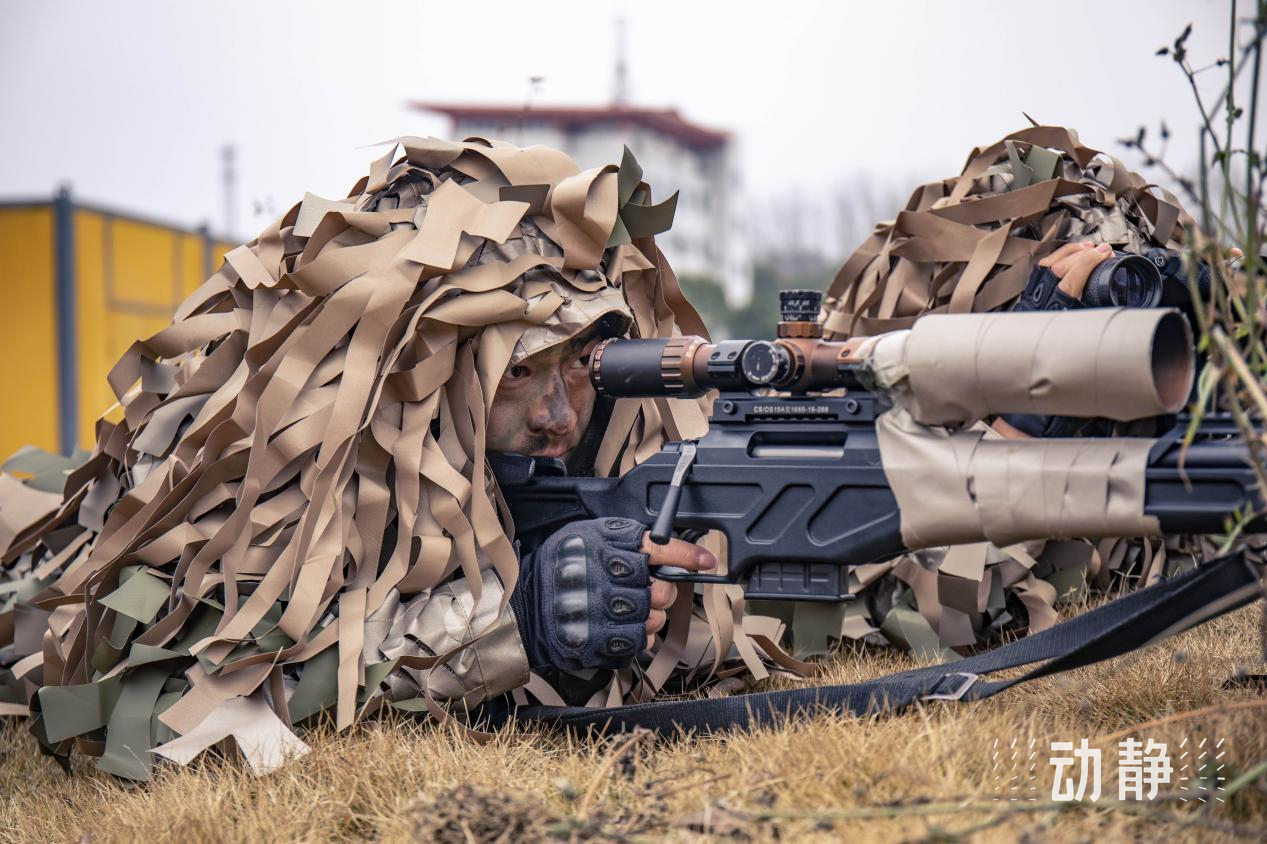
1123, 625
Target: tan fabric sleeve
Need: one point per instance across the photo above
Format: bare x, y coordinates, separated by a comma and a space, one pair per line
962, 487
447, 618
1119, 363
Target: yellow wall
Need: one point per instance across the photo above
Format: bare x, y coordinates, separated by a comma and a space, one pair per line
127, 288
129, 277
28, 335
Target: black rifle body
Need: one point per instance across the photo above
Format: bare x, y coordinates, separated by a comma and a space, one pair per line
797, 486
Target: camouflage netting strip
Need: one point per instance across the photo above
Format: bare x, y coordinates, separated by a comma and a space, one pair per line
299, 475
967, 244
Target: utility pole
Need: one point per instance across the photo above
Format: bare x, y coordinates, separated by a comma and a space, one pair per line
534, 88
228, 183
620, 84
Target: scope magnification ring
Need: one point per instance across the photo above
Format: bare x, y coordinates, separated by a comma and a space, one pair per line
675, 364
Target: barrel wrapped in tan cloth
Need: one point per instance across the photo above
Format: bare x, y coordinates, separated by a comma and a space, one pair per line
290, 509
1116, 363
966, 244
964, 486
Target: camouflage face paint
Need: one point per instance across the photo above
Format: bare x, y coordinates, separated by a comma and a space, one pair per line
543, 403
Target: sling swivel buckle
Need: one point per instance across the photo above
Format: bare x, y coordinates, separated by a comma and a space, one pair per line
962, 682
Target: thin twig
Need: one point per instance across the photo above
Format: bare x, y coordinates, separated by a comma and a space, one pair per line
1245, 779
1241, 369
1255, 164
1225, 156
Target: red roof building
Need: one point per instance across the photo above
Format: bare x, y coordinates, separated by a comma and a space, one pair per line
570, 119
676, 155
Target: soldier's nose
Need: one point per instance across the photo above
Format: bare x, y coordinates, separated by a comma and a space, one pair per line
553, 412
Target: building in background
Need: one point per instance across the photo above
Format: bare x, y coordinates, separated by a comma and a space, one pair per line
707, 238
80, 284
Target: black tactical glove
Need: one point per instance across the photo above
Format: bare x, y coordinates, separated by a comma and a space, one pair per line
1042, 293
583, 597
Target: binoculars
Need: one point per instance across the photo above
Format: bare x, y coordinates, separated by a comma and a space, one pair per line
1150, 280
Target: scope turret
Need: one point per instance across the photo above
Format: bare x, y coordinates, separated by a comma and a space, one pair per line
800, 305
798, 314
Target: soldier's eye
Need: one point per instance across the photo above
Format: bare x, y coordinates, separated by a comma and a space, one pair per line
582, 361
517, 372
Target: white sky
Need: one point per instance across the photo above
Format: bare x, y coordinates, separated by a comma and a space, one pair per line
130, 101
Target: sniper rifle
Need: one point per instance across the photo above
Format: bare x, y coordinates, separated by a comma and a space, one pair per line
824, 455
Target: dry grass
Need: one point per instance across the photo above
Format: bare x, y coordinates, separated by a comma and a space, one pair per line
925, 775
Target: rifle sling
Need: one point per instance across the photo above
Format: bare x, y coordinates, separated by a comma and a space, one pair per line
1123, 625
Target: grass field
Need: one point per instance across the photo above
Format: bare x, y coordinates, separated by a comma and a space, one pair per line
926, 775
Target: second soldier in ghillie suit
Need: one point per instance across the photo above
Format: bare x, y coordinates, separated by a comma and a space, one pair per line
969, 244
291, 511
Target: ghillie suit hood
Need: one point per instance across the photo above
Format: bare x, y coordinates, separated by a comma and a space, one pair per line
290, 508
967, 244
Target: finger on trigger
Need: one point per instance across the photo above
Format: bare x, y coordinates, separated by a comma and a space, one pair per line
677, 552
663, 594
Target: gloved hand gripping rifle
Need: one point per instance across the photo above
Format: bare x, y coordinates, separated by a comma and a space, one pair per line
822, 455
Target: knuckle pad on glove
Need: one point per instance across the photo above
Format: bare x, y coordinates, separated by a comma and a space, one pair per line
593, 597
1042, 293
622, 605
623, 642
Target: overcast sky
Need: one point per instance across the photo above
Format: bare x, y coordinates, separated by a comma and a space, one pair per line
130, 102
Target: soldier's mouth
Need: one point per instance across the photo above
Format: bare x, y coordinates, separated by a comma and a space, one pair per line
558, 449
545, 445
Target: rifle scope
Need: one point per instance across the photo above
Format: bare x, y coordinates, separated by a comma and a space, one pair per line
1116, 363
798, 361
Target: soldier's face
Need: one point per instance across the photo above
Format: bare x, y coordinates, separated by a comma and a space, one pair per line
544, 403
